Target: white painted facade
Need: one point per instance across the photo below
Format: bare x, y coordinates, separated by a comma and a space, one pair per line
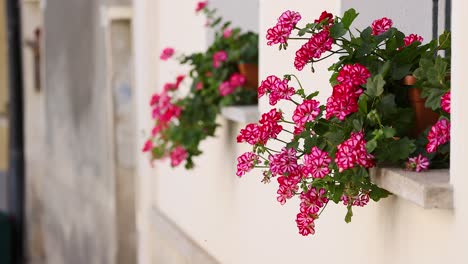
239, 220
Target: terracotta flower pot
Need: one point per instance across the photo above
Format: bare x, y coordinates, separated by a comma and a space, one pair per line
423, 117
250, 71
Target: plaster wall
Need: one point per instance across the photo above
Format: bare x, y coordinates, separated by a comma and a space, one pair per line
71, 209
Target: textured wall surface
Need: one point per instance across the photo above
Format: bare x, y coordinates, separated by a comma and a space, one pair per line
70, 164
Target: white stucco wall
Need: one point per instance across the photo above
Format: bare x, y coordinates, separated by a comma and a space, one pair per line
239, 220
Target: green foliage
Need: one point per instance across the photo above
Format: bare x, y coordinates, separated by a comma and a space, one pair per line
201, 105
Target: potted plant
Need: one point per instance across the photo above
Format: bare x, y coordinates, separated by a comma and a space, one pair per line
326, 149
183, 120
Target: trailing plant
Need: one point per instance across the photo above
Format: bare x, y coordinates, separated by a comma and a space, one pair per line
184, 120
323, 152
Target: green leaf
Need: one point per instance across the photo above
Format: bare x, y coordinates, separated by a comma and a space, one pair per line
432, 96
362, 103
371, 145
445, 40
348, 18
374, 86
395, 150
357, 124
366, 34
385, 68
337, 30
312, 95
387, 106
389, 132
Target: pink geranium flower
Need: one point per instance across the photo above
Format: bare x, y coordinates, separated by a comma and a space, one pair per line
199, 86
353, 74
284, 163
380, 26
318, 44
166, 53
219, 57
200, 6
227, 33
412, 38
177, 155
445, 102
249, 134
353, 152
313, 200
281, 31
225, 88
305, 224
343, 102
305, 112
316, 163
148, 146
288, 186
246, 162
327, 19
418, 163
438, 135
237, 80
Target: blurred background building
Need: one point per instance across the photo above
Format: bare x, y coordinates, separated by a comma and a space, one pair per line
89, 68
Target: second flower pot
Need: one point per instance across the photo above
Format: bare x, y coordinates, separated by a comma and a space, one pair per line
423, 117
250, 71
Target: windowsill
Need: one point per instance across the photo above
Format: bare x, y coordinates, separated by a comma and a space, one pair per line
241, 113
428, 189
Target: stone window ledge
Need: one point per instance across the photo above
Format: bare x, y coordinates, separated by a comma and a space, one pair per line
428, 189
241, 113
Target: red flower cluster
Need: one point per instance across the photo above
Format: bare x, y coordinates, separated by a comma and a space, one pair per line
438, 135
418, 163
412, 38
276, 88
281, 31
380, 26
288, 187
314, 48
326, 18
174, 86
344, 99
228, 87
219, 57
261, 133
311, 202
316, 163
166, 54
177, 155
445, 102
284, 163
200, 6
358, 200
353, 152
245, 163
305, 112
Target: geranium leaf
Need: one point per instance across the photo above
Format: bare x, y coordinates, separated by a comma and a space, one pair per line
348, 18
